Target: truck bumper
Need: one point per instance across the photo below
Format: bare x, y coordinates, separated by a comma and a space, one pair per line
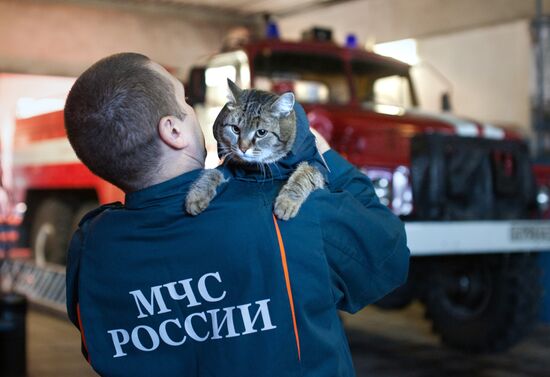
477, 237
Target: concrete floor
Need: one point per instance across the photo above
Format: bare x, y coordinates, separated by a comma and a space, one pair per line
53, 348
384, 344
400, 344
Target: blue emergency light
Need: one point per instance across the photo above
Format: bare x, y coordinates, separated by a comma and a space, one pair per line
351, 41
272, 30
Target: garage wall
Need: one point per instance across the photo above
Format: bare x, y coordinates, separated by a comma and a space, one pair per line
65, 37
388, 20
490, 70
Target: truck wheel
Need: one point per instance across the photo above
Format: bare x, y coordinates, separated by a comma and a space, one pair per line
82, 210
51, 231
484, 303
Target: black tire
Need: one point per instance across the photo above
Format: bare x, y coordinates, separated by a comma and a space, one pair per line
51, 231
484, 303
82, 210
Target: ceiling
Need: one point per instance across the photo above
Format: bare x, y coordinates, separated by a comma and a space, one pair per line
240, 7
249, 10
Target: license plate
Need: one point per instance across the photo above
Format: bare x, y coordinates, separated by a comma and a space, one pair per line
530, 232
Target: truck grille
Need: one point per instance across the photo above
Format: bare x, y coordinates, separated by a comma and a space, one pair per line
458, 178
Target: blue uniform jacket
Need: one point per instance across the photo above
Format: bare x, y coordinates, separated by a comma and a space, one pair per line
231, 292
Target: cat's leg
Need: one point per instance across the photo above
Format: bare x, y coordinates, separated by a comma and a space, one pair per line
301, 183
202, 191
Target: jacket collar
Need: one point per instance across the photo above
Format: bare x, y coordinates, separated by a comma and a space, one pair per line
155, 193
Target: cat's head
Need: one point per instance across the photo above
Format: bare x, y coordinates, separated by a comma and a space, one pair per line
260, 127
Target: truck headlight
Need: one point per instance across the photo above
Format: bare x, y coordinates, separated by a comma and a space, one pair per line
392, 188
543, 198
381, 180
402, 201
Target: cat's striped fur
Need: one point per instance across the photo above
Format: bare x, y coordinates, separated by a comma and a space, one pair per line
259, 129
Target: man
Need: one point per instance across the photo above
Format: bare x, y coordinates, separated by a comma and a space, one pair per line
232, 292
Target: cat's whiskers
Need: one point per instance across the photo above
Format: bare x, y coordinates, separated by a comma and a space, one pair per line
224, 151
234, 153
231, 158
227, 154
276, 166
262, 169
226, 157
270, 171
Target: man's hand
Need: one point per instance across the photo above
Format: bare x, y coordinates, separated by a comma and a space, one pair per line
322, 144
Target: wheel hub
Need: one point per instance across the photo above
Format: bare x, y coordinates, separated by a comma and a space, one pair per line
466, 293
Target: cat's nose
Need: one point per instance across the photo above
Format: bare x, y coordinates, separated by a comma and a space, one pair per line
243, 148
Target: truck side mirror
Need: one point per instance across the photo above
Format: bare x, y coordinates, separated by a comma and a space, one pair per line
196, 86
446, 102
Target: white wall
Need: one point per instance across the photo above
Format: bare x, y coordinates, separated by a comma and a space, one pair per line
63, 38
490, 70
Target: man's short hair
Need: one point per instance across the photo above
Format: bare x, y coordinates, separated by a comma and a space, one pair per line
111, 117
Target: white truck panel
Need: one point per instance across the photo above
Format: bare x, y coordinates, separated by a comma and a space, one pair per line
476, 237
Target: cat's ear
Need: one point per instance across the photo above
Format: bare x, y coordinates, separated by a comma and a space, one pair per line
284, 105
234, 94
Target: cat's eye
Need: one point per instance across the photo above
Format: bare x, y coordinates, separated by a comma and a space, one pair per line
261, 133
236, 130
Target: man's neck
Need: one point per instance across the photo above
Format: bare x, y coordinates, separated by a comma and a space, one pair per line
169, 171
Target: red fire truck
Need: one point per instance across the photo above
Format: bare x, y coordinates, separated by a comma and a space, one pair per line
55, 186
466, 190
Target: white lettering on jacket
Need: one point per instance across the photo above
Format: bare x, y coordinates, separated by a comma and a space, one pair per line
199, 326
149, 306
158, 298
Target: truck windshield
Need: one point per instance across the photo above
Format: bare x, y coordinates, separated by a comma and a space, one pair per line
381, 84
313, 78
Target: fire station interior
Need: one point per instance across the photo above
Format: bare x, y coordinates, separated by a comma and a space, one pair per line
443, 104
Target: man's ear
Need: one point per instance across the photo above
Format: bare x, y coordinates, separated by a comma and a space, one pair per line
171, 132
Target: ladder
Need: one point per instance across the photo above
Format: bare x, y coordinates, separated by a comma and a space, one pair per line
42, 285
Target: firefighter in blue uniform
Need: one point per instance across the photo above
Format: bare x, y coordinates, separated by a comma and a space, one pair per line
232, 292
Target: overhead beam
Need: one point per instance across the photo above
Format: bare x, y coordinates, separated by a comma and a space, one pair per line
195, 12
65, 37
308, 6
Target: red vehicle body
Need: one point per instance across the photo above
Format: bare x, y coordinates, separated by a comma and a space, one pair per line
55, 186
367, 138
44, 161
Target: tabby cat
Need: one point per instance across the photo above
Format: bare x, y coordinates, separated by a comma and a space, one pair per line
259, 129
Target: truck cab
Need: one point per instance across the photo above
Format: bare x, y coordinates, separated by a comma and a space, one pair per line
365, 105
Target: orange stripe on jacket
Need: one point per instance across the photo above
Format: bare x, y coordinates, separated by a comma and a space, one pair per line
287, 281
82, 331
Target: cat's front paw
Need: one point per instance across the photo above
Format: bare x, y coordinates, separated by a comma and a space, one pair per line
285, 207
203, 191
197, 201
